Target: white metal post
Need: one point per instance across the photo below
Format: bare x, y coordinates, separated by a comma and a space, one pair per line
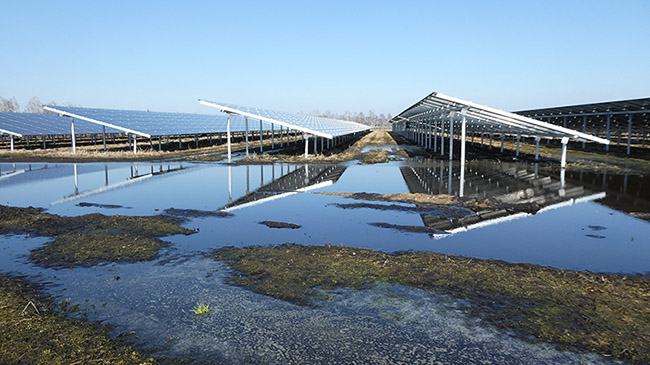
451, 138
462, 144
435, 135
11, 142
135, 144
442, 137
304, 138
104, 136
537, 148
518, 137
261, 138
565, 140
228, 138
74, 138
246, 136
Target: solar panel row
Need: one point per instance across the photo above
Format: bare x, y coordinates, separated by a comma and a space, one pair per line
31, 124
323, 127
147, 123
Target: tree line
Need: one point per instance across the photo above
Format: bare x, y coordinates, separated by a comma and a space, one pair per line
370, 119
34, 105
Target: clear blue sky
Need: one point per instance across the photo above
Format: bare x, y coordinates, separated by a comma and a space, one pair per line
336, 55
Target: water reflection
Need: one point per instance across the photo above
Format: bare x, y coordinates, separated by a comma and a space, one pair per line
135, 177
295, 180
508, 183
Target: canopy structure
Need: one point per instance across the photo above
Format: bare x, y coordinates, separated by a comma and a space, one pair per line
437, 113
148, 124
38, 124
317, 126
629, 119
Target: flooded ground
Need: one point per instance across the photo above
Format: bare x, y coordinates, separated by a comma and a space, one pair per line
582, 224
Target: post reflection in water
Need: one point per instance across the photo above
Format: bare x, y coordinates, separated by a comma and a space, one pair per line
301, 179
134, 177
507, 183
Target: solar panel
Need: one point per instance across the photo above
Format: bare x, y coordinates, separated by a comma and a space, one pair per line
323, 127
146, 123
437, 106
33, 124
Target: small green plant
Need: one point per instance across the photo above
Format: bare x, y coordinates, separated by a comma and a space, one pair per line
201, 309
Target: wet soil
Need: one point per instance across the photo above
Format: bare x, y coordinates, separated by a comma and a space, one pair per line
103, 206
92, 238
602, 313
194, 213
34, 331
442, 211
405, 228
274, 224
441, 201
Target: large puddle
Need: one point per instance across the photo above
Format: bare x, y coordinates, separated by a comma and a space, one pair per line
581, 226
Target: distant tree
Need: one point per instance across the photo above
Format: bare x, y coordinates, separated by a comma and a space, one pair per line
9, 105
34, 106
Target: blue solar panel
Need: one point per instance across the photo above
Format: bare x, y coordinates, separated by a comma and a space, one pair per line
161, 123
31, 124
324, 127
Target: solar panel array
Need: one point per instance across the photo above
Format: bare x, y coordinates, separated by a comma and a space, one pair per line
593, 117
148, 123
480, 118
324, 127
33, 124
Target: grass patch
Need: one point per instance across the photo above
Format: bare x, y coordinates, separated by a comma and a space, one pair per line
274, 224
201, 309
32, 332
92, 238
606, 314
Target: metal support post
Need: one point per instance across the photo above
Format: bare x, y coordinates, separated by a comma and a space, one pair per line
584, 130
502, 140
104, 136
537, 148
609, 117
246, 136
435, 135
463, 134
228, 138
442, 137
565, 140
11, 142
490, 140
629, 133
272, 137
451, 138
261, 140
73, 139
135, 144
304, 138
518, 137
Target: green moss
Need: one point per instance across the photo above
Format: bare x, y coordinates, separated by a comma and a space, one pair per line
32, 332
607, 314
91, 238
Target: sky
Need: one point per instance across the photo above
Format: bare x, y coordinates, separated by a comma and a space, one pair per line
302, 56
